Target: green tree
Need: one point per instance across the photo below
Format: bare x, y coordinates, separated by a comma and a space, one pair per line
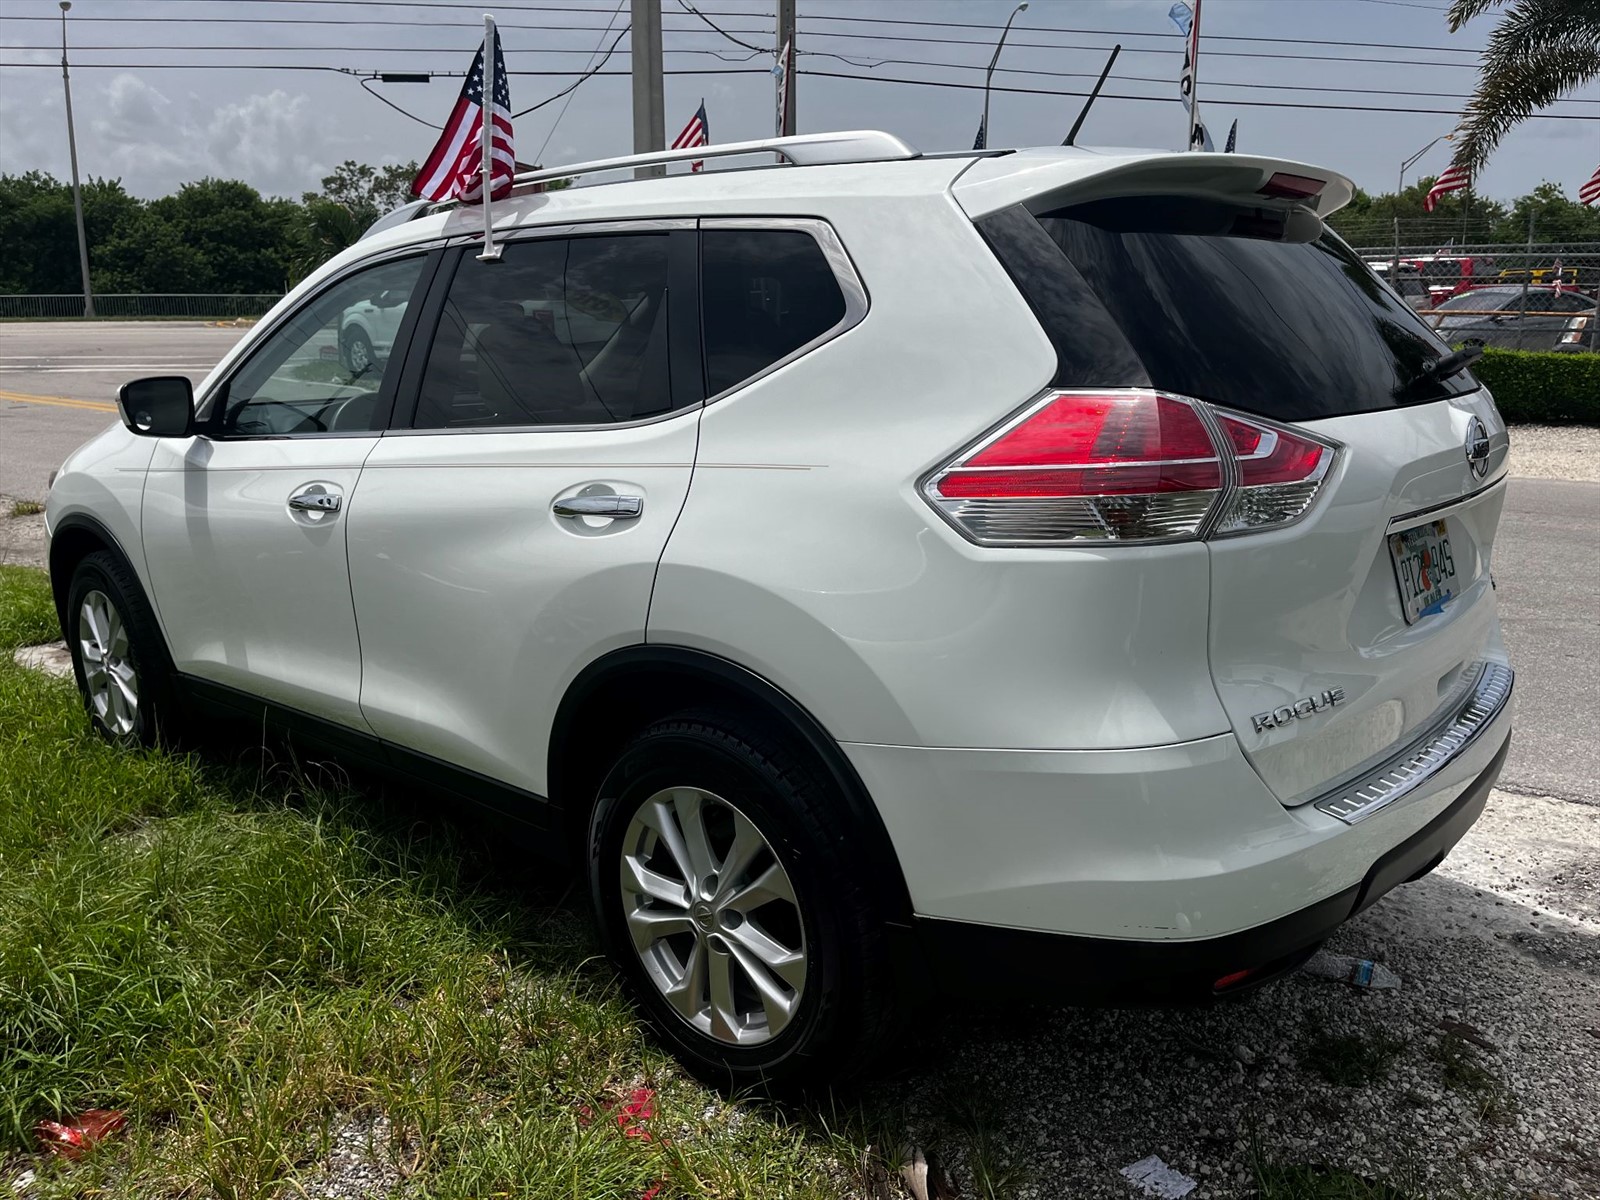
1539, 52
39, 234
367, 192
1555, 218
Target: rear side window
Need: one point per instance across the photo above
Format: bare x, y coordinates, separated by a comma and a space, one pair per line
765, 293
1247, 308
560, 331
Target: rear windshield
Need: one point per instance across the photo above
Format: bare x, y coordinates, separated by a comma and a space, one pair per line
1247, 308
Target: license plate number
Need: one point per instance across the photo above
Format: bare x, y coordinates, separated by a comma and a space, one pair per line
1424, 570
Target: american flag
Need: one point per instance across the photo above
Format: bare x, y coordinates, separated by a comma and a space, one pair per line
1453, 180
1589, 193
455, 168
695, 133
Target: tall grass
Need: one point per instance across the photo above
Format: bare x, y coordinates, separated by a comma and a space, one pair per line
244, 956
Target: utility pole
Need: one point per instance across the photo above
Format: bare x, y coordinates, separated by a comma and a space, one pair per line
72, 152
649, 106
786, 81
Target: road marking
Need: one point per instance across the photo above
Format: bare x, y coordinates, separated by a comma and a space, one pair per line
58, 401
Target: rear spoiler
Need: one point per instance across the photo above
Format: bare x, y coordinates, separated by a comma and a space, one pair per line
1047, 179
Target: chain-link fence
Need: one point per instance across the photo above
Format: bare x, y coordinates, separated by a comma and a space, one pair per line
1538, 297
149, 306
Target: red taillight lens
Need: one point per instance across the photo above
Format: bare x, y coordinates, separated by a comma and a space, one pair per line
1278, 472
1124, 466
1129, 465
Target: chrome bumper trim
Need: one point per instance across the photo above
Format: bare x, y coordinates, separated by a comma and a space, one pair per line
1425, 757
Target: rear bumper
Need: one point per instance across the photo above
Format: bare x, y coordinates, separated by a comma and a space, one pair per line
978, 962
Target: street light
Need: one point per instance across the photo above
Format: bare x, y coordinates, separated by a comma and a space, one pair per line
72, 151
1394, 269
989, 75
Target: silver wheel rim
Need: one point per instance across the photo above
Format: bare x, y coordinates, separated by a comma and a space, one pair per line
108, 674
713, 916
360, 355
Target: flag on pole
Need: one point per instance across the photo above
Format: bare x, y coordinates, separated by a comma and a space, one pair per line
695, 133
1453, 180
780, 71
1560, 287
981, 142
1233, 137
1590, 192
1188, 22
454, 169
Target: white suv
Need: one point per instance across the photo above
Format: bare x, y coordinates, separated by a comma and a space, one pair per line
1053, 569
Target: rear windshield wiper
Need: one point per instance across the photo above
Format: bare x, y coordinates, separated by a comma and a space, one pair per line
1442, 368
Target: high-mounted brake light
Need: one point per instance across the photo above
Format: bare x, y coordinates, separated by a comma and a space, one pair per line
1284, 186
1128, 465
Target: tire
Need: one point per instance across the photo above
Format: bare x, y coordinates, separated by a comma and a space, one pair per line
828, 1015
118, 656
358, 354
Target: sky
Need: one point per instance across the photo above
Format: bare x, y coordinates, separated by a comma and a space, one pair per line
241, 113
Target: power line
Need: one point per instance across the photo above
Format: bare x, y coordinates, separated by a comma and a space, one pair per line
813, 34
978, 87
704, 14
917, 62
590, 67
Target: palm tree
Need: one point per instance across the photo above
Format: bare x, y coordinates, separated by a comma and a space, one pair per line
1540, 51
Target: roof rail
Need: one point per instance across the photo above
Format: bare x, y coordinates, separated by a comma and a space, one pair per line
803, 150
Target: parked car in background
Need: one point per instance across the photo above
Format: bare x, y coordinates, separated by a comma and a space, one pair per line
368, 328
1409, 282
1513, 317
1447, 275
1053, 575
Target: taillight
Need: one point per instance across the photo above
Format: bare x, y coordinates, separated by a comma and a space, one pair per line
1132, 465
1124, 466
1277, 474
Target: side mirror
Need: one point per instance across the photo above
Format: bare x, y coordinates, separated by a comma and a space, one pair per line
161, 406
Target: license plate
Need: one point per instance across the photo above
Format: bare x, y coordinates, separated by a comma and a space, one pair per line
1423, 569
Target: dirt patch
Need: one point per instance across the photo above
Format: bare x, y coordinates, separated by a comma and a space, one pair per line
22, 537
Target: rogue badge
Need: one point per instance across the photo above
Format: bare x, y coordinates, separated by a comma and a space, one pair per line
1280, 717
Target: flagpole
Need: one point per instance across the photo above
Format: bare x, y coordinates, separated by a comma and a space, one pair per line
491, 252
1194, 78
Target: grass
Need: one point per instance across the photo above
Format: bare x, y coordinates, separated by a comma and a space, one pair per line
1351, 1059
26, 508
1462, 1069
242, 955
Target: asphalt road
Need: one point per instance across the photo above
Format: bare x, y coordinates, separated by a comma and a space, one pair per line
58, 382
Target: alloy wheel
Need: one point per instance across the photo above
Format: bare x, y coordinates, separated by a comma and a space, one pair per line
109, 677
713, 916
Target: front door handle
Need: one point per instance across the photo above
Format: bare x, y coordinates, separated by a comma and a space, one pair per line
315, 499
625, 507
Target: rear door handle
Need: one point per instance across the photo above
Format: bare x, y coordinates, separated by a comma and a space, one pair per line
625, 507
315, 499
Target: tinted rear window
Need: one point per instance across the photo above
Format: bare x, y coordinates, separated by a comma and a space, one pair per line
1238, 306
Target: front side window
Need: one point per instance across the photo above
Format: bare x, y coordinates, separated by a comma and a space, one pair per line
765, 293
559, 331
322, 370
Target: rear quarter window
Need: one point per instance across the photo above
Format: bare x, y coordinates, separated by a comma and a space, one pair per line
765, 293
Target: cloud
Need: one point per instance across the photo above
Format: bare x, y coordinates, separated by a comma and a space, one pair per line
129, 129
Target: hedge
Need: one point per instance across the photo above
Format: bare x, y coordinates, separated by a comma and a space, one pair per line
1541, 387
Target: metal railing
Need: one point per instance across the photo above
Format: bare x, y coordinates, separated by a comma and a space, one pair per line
147, 306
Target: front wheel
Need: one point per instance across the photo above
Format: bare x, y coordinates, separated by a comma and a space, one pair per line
727, 894
117, 654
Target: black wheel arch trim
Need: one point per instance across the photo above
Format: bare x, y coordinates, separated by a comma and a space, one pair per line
61, 581
888, 885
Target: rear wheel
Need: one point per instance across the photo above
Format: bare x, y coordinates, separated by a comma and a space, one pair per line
117, 655
727, 894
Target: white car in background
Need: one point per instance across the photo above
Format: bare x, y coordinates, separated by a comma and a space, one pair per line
368, 328
1055, 572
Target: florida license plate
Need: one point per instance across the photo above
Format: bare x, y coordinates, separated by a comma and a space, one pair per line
1424, 569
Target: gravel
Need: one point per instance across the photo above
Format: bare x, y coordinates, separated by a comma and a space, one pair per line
1556, 452
1500, 947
